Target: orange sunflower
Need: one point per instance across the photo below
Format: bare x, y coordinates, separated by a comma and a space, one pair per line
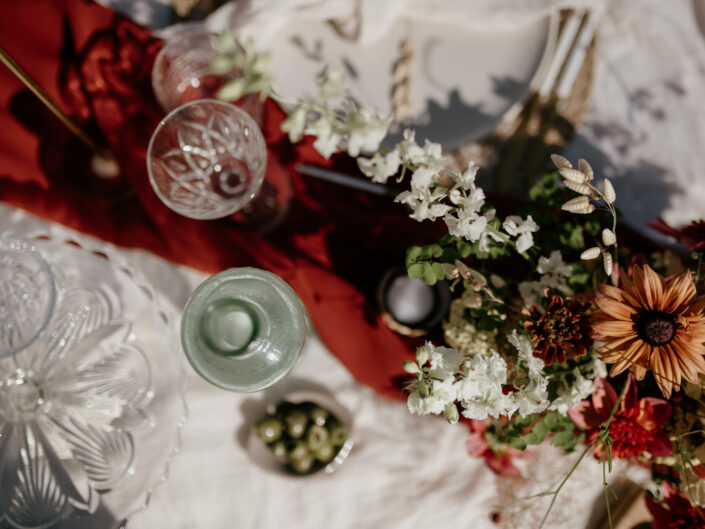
652, 325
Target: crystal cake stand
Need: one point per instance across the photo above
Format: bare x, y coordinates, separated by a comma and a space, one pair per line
92, 409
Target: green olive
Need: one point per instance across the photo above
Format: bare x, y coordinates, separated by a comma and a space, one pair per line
296, 423
269, 429
319, 415
338, 432
279, 450
316, 437
302, 465
299, 451
325, 452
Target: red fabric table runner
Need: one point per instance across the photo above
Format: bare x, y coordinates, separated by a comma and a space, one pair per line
332, 248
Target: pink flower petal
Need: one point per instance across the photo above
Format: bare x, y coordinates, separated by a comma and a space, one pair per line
604, 398
585, 416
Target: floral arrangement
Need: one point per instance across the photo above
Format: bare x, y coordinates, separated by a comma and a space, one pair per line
556, 333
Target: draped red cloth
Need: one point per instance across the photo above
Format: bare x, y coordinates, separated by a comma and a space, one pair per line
332, 248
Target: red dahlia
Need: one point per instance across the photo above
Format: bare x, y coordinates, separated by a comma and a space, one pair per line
564, 329
636, 427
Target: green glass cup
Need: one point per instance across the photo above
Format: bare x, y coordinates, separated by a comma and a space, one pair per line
243, 329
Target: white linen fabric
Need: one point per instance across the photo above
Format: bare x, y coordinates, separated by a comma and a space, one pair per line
403, 472
260, 19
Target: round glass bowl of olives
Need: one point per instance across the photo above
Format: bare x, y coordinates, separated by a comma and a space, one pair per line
301, 435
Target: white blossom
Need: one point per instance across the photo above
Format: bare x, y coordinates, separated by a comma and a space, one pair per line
423, 177
409, 150
327, 141
533, 397
466, 179
444, 361
430, 155
365, 132
442, 392
425, 204
531, 292
554, 265
581, 387
485, 236
514, 225
525, 349
295, 124
480, 390
381, 166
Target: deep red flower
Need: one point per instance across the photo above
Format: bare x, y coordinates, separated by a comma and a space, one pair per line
676, 512
498, 462
692, 235
636, 427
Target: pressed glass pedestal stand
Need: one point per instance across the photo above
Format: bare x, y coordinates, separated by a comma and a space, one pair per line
91, 390
243, 329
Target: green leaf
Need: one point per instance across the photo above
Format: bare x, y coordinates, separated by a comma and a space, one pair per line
564, 439
435, 249
518, 443
428, 275
551, 421
523, 422
449, 255
464, 249
438, 271
412, 254
416, 270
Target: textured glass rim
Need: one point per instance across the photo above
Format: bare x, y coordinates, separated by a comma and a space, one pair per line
162, 54
19, 244
205, 289
257, 180
110, 253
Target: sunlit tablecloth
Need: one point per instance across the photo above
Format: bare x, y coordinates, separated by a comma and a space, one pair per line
403, 472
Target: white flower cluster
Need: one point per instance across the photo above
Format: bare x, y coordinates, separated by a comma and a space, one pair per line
336, 122
580, 387
446, 376
434, 192
252, 65
461, 333
554, 274
533, 396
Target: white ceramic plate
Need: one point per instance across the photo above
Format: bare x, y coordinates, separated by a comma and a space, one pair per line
464, 81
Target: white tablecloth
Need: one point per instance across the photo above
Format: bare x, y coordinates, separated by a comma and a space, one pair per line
404, 471
646, 130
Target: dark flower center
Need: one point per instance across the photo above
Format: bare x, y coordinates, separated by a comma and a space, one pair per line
656, 327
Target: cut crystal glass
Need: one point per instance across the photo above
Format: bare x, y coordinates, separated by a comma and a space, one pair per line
207, 159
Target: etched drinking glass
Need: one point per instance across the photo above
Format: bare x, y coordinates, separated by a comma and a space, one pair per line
183, 71
243, 329
207, 159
